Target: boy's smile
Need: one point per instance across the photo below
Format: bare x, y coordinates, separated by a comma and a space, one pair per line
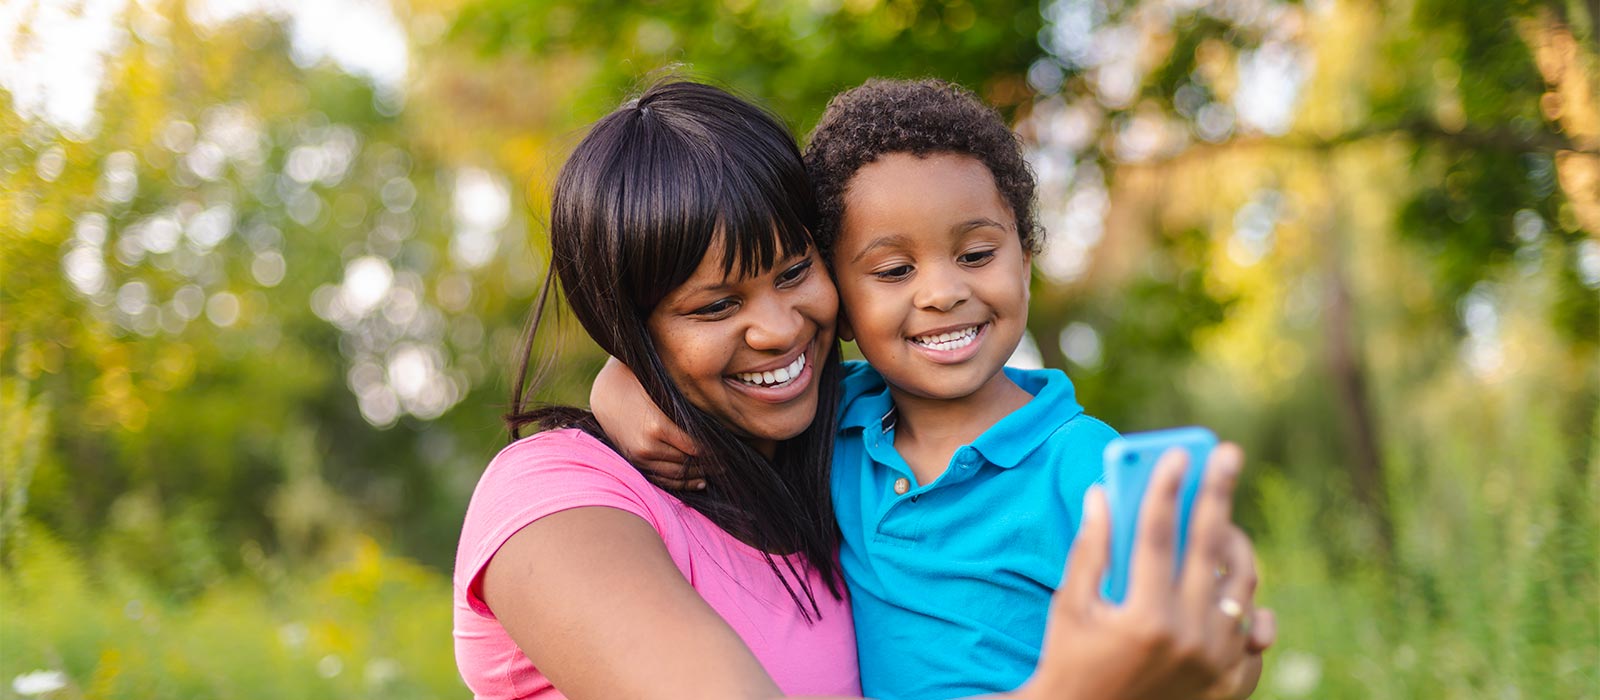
931, 273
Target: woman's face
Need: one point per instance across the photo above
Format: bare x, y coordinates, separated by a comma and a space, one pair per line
744, 348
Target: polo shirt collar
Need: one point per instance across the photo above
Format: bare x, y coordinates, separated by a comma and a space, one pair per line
1006, 443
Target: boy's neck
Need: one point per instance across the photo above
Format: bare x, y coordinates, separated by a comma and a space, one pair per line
929, 431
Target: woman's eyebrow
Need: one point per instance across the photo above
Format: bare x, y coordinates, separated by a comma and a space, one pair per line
893, 240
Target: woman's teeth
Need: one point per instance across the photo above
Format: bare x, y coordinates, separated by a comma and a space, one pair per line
953, 340
777, 377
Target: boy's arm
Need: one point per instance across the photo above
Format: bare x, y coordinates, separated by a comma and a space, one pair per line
640, 431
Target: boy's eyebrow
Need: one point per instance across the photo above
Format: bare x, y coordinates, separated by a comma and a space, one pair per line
883, 242
979, 222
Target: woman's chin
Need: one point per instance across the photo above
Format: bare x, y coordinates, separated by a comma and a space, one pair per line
771, 433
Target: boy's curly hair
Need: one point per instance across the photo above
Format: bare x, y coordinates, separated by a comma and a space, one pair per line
920, 117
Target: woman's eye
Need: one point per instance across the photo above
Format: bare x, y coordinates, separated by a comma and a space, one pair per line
794, 274
893, 273
976, 258
719, 307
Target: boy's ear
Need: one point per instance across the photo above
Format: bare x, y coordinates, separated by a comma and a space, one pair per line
845, 332
1027, 273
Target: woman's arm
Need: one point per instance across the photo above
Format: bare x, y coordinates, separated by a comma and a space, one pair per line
591, 596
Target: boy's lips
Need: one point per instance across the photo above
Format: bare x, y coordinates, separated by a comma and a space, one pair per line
951, 345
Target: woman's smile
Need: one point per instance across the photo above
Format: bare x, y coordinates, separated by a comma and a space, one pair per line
788, 381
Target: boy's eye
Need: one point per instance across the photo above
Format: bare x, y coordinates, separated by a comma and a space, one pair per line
794, 274
894, 273
718, 308
976, 257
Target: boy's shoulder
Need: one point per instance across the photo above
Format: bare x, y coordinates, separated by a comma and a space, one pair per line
1045, 427
858, 383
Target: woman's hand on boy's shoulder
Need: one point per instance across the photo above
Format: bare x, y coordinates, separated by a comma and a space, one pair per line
639, 430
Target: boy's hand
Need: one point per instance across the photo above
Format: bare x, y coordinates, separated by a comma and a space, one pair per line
640, 431
1182, 638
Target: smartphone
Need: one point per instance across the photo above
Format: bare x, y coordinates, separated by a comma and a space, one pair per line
1129, 462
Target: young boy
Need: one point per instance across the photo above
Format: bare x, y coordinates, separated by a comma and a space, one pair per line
952, 474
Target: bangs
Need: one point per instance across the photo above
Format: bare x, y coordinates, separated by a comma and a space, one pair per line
684, 193
758, 223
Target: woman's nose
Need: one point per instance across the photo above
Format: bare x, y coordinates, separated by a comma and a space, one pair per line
774, 325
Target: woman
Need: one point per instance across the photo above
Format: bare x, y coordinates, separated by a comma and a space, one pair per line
679, 234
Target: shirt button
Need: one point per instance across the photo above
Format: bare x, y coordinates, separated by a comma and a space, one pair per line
901, 486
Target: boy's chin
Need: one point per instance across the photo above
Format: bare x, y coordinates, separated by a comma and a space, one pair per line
946, 384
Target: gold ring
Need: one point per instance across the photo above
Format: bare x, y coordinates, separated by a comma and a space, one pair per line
1231, 608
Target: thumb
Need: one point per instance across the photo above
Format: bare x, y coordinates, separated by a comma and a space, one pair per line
1263, 631
1086, 564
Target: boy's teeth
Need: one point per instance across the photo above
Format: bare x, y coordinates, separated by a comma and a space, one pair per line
948, 341
781, 375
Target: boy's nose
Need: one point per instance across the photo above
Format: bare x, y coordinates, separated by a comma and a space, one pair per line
942, 289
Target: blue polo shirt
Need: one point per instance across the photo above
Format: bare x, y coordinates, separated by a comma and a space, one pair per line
951, 581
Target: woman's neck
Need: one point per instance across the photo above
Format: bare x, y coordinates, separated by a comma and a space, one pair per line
766, 448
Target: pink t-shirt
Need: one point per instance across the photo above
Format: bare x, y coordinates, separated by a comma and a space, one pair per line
557, 470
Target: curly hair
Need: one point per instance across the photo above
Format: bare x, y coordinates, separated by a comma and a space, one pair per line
919, 117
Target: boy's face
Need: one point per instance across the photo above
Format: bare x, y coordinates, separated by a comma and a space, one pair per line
932, 276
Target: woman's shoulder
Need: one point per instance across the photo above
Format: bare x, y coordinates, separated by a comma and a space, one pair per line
555, 456
544, 474
563, 447
557, 470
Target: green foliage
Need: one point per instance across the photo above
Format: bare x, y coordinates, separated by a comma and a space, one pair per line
370, 625
791, 55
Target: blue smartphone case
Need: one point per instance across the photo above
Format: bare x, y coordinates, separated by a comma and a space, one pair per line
1129, 462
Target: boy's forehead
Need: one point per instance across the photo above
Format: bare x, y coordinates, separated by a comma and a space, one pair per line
896, 195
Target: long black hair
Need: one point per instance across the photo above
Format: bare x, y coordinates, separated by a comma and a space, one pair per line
641, 200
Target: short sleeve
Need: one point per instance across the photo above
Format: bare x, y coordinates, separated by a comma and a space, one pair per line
1084, 439
538, 476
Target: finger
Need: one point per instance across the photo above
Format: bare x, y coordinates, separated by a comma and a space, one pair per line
665, 458
1210, 522
678, 439
1263, 631
666, 476
1239, 585
1086, 564
1150, 573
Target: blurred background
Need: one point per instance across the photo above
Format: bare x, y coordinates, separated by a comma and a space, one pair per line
266, 263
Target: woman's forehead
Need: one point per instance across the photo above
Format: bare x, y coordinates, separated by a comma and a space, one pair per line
715, 272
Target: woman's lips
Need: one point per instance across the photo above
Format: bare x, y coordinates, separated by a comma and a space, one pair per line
782, 391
